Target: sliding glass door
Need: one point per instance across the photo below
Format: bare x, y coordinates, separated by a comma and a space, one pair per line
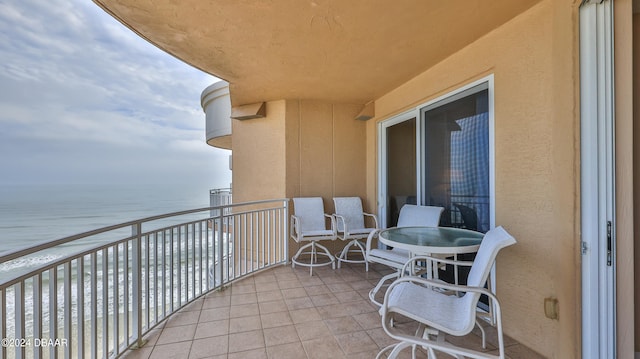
398, 176
456, 159
441, 154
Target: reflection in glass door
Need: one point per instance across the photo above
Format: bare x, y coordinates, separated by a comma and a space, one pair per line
455, 174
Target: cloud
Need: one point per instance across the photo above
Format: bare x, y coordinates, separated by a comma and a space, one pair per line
83, 99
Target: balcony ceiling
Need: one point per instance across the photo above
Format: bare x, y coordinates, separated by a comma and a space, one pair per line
335, 50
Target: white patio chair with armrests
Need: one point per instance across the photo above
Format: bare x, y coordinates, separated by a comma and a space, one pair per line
308, 224
441, 308
350, 218
410, 215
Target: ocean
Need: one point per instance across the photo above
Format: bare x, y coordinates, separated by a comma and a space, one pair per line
32, 214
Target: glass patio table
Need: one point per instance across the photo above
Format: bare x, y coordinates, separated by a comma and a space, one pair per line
432, 240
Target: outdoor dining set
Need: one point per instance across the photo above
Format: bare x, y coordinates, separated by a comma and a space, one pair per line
418, 250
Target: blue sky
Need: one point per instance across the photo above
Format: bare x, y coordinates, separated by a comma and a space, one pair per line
85, 100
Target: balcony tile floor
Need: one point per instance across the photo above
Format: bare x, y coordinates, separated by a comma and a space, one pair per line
285, 313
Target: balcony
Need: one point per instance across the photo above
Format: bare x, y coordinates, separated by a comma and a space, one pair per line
210, 282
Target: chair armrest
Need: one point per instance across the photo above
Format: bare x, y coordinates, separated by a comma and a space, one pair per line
340, 220
295, 226
332, 220
375, 219
369, 240
441, 285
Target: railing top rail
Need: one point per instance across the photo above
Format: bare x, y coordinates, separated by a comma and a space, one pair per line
20, 252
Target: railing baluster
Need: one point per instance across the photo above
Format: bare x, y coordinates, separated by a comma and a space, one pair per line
269, 249
105, 303
53, 309
171, 273
136, 287
262, 264
37, 314
156, 292
231, 249
208, 233
125, 293
193, 260
67, 308
200, 255
164, 274
286, 229
179, 264
94, 305
147, 284
243, 221
3, 321
116, 298
220, 247
251, 233
80, 295
18, 295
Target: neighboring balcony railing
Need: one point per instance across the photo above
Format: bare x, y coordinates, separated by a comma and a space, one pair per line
101, 291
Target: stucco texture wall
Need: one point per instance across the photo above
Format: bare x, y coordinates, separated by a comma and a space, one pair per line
301, 149
325, 154
636, 168
533, 59
259, 166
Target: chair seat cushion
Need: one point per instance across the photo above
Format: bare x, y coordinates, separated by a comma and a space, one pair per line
396, 255
361, 231
317, 233
453, 314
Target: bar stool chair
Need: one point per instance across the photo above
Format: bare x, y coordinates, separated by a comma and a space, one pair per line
351, 227
308, 224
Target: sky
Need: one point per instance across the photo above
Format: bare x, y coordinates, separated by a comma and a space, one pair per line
85, 100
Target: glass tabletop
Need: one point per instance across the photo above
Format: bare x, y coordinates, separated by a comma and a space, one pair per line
432, 239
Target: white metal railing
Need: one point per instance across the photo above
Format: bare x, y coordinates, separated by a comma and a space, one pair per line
108, 289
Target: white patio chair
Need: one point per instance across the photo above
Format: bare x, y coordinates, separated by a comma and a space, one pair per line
410, 215
350, 226
441, 308
308, 224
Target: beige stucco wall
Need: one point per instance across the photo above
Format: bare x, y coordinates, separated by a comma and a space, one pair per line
533, 59
301, 149
636, 167
623, 57
325, 153
259, 166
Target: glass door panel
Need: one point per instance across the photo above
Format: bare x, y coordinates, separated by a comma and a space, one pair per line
456, 160
401, 168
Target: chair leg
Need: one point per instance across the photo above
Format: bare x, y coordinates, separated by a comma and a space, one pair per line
484, 335
313, 252
344, 254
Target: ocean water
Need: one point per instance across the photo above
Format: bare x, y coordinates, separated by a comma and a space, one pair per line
32, 214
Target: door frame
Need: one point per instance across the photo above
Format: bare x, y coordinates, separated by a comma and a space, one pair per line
597, 179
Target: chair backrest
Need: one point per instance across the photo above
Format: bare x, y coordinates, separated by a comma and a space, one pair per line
412, 215
351, 209
469, 216
492, 242
310, 211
